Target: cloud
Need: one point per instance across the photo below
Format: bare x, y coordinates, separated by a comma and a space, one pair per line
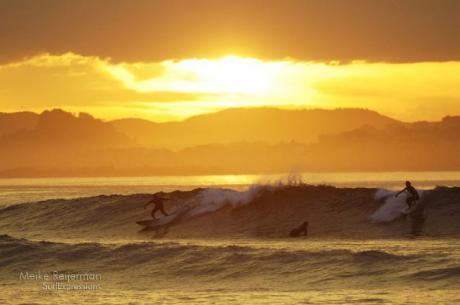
307, 30
176, 89
73, 80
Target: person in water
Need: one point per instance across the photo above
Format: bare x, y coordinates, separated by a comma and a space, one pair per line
158, 205
413, 194
301, 230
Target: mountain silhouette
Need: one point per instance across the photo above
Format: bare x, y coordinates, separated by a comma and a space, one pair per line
411, 146
240, 141
17, 121
56, 139
270, 125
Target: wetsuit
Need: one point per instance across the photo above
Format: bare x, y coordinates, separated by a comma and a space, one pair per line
413, 196
158, 206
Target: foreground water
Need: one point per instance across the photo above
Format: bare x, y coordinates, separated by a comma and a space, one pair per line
422, 271
231, 248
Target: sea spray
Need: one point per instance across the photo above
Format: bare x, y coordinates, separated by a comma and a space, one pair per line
210, 200
392, 208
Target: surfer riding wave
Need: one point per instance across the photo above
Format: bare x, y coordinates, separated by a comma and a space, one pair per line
158, 205
413, 194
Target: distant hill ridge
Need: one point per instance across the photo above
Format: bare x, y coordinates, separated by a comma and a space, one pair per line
270, 125
17, 121
235, 141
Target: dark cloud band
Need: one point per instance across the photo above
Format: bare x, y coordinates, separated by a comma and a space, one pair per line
148, 30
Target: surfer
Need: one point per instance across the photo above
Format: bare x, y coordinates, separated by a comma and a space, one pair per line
158, 202
413, 194
302, 229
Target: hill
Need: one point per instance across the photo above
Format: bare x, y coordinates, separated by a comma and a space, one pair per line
57, 139
261, 141
17, 121
251, 125
411, 147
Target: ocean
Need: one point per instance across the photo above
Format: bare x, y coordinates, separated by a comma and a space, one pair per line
19, 190
75, 240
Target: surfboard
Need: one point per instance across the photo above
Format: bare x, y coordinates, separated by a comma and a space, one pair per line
147, 223
414, 208
157, 222
165, 220
411, 209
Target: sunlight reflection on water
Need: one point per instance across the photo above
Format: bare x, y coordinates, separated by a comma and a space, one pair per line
33, 189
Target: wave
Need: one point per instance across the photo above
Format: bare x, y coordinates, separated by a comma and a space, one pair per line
141, 262
262, 211
437, 274
23, 252
391, 209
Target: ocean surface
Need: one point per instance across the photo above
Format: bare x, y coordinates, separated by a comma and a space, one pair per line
20, 190
76, 241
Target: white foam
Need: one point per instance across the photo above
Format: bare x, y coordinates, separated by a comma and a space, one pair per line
210, 200
392, 207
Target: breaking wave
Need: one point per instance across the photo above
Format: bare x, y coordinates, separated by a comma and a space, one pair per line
262, 211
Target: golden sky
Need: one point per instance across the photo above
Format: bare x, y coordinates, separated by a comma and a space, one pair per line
172, 90
170, 59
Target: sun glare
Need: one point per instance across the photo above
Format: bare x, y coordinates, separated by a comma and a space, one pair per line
230, 74
227, 75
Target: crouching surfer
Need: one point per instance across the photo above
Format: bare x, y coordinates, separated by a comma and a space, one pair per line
158, 205
413, 194
300, 230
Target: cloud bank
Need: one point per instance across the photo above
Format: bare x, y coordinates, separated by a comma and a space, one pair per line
172, 90
307, 30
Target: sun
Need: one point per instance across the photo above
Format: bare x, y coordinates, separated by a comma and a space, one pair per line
231, 74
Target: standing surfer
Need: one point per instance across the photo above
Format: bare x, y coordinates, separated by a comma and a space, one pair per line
158, 202
413, 194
